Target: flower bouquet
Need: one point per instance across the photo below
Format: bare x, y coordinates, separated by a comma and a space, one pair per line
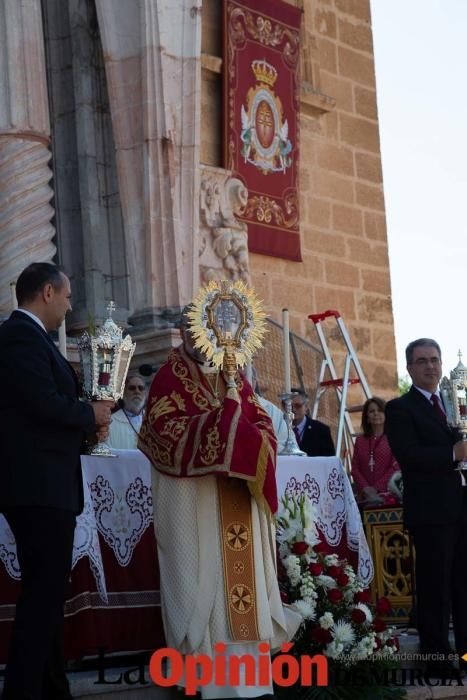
339, 620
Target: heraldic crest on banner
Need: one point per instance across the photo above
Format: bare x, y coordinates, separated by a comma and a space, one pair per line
264, 134
261, 119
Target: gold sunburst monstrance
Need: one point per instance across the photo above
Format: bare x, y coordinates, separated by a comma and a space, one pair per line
228, 325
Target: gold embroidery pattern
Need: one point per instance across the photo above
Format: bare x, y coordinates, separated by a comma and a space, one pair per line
237, 536
174, 427
241, 598
181, 372
263, 30
267, 210
158, 452
256, 487
160, 407
178, 400
238, 559
210, 452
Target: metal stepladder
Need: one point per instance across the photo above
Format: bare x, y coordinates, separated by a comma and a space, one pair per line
345, 430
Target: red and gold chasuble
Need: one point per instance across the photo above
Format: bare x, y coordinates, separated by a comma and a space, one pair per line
188, 432
185, 434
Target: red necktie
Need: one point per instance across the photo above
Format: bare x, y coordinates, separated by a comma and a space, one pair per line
297, 434
437, 406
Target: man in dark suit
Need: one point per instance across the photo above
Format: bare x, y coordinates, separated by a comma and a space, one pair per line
43, 425
435, 504
313, 437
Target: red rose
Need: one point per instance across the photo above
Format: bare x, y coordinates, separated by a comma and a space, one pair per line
318, 634
389, 500
342, 579
284, 597
334, 595
322, 548
393, 642
334, 571
315, 569
358, 616
362, 597
379, 625
383, 606
299, 548
379, 643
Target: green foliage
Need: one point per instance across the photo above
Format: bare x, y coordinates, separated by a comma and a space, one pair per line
91, 325
404, 385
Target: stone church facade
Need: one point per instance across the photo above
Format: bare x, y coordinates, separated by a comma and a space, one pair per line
111, 165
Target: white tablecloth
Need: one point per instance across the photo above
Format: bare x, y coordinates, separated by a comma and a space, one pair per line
122, 499
118, 505
325, 481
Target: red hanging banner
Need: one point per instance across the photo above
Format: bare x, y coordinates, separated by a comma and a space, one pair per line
261, 119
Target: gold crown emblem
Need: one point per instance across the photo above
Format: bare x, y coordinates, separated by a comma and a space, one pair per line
264, 72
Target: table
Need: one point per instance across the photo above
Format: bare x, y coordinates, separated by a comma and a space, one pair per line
326, 483
114, 601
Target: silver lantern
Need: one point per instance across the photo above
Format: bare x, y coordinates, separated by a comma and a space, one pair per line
105, 360
454, 393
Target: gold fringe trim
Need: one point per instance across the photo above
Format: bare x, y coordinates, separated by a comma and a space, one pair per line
256, 486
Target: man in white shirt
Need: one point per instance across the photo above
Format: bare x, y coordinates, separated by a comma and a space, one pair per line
276, 415
435, 504
126, 423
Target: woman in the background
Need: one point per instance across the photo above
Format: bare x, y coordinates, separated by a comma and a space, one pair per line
373, 463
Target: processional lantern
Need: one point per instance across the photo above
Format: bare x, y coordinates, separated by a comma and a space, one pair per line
454, 393
105, 358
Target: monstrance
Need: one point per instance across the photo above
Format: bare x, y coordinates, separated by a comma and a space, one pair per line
227, 324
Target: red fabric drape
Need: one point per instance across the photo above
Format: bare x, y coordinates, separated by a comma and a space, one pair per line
261, 119
187, 433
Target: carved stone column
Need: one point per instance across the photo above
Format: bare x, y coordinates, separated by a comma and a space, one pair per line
25, 230
223, 238
154, 83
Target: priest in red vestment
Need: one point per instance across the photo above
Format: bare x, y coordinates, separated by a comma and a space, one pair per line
213, 451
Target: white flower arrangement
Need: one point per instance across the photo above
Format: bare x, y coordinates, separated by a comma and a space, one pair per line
338, 619
326, 621
343, 632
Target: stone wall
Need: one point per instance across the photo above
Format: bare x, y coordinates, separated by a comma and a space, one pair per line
144, 208
343, 227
